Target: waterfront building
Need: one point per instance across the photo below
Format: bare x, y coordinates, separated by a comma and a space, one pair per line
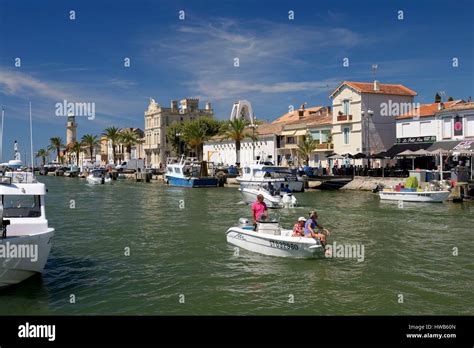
364, 115
105, 151
298, 124
158, 118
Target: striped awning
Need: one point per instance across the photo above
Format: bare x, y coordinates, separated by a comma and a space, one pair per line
288, 133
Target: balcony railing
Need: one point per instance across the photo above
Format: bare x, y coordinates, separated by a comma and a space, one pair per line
343, 118
325, 146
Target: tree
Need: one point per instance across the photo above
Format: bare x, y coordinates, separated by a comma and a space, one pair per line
450, 99
196, 132
237, 130
43, 153
437, 98
173, 134
112, 134
75, 148
128, 138
90, 141
56, 144
307, 147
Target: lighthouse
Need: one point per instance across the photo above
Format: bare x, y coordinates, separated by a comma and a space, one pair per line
71, 129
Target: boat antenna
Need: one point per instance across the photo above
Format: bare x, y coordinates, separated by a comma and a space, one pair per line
31, 145
1, 135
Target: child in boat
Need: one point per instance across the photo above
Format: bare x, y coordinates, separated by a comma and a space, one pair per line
298, 228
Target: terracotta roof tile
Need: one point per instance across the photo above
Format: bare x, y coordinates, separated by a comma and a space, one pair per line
307, 113
427, 110
384, 88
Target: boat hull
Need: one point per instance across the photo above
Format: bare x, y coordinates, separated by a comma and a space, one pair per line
15, 270
274, 245
426, 196
250, 196
192, 182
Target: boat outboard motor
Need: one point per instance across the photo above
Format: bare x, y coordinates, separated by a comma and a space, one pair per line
5, 223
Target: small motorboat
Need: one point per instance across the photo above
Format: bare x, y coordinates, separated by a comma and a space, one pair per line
189, 173
99, 176
414, 196
276, 200
271, 239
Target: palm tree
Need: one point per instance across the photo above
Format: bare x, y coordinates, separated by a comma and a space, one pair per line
90, 141
56, 144
128, 138
237, 130
112, 134
194, 136
43, 153
75, 148
307, 147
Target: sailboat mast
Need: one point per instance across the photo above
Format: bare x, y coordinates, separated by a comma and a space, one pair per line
1, 135
31, 144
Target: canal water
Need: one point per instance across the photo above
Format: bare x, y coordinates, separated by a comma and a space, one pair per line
418, 258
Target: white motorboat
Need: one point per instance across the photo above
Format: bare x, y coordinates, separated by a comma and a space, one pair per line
26, 238
256, 175
277, 200
99, 176
270, 239
414, 196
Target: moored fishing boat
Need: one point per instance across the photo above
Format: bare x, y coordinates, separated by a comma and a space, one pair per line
187, 173
273, 240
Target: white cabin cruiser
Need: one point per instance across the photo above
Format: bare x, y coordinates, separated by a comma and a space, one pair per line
259, 174
271, 239
26, 238
276, 200
99, 176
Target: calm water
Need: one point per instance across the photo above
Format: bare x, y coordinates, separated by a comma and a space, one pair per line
183, 251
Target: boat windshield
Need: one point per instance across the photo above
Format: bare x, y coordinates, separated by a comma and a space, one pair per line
18, 206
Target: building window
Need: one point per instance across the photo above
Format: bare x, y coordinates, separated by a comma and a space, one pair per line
447, 128
405, 130
290, 140
470, 126
345, 106
346, 134
425, 128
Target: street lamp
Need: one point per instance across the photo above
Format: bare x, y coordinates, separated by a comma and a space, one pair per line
370, 113
253, 126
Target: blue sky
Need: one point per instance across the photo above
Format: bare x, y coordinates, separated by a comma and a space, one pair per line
282, 62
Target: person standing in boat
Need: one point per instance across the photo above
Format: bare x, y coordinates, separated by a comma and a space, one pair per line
259, 210
310, 228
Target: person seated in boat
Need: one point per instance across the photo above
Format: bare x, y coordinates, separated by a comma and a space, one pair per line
259, 210
298, 228
310, 228
285, 189
271, 188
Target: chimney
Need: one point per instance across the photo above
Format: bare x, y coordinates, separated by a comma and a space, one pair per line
376, 85
440, 106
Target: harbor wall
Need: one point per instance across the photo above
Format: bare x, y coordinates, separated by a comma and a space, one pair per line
364, 183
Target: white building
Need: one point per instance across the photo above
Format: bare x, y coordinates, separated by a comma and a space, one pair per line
364, 115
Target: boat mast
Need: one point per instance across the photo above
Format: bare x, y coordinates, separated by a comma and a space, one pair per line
1, 135
31, 145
